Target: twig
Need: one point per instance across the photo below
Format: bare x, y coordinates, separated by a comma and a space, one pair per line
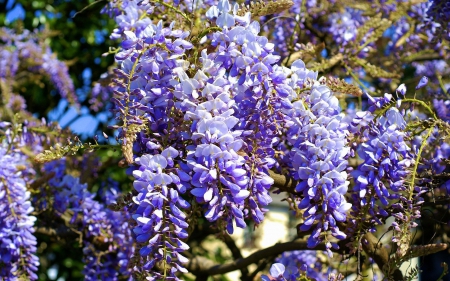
236, 254
261, 266
87, 7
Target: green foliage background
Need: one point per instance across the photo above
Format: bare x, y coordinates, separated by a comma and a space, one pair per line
72, 30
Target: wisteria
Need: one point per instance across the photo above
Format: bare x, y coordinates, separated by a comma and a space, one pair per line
26, 50
160, 219
99, 225
319, 157
344, 26
17, 242
387, 159
439, 14
337, 110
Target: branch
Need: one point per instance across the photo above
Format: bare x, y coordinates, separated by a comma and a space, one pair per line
313, 30
379, 254
203, 266
236, 253
263, 264
423, 57
87, 7
438, 202
64, 229
284, 183
60, 232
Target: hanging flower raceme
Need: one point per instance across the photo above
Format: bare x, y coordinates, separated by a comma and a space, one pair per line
147, 80
244, 63
318, 137
148, 83
25, 50
147, 75
161, 223
219, 178
387, 157
100, 226
17, 242
386, 160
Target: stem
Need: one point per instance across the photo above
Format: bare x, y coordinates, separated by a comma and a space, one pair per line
441, 83
174, 9
416, 164
202, 266
87, 7
424, 105
359, 82
163, 240
208, 30
356, 78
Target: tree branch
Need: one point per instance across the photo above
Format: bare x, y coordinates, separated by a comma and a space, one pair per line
379, 254
261, 266
284, 183
236, 254
203, 266
423, 57
60, 232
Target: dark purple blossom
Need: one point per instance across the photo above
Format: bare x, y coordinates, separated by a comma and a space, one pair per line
439, 16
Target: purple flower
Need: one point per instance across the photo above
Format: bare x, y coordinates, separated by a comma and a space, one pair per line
319, 161
17, 242
96, 222
439, 18
26, 50
159, 209
276, 273
381, 178
296, 264
422, 83
344, 26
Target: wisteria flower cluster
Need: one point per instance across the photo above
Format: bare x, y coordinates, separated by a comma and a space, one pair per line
230, 113
319, 157
98, 225
17, 242
216, 107
25, 50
